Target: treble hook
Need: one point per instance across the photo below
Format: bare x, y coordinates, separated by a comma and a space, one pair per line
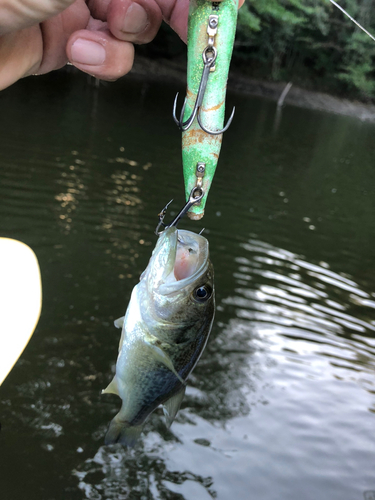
191, 201
209, 62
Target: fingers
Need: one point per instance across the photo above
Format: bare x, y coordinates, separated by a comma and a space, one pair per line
136, 22
99, 53
20, 55
177, 16
240, 2
56, 32
19, 14
104, 51
40, 48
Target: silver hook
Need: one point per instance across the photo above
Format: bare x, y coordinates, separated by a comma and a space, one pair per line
196, 195
209, 63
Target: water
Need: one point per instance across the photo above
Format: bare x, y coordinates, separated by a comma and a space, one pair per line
282, 403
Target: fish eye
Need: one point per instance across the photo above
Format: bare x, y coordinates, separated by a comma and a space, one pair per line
202, 293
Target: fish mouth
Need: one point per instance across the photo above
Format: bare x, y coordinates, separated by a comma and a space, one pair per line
185, 257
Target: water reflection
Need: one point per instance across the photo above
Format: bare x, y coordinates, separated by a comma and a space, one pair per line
282, 403
74, 190
123, 205
283, 312
119, 474
307, 310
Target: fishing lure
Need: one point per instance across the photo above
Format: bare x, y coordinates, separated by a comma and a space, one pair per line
211, 32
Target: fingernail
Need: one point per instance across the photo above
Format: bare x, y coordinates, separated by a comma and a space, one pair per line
87, 52
136, 19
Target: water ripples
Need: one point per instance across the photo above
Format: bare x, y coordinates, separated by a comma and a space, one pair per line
281, 405
306, 309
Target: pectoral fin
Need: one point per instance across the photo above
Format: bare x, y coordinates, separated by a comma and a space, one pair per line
112, 387
172, 406
119, 322
160, 355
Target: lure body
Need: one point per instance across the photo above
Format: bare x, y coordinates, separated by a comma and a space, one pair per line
198, 145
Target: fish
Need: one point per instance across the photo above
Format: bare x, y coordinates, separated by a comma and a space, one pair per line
163, 333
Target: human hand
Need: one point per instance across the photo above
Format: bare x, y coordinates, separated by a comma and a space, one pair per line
97, 36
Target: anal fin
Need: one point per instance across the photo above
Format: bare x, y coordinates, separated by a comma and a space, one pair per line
172, 406
112, 387
119, 322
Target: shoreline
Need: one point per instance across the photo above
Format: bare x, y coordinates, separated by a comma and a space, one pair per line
168, 69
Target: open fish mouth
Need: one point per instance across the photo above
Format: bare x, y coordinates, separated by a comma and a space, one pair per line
180, 258
190, 262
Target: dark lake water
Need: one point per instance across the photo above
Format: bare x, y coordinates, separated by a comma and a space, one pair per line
282, 402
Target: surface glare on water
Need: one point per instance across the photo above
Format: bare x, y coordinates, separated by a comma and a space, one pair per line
282, 403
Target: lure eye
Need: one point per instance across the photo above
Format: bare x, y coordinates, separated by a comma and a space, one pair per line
202, 293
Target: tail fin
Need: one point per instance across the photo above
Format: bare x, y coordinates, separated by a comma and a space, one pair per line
122, 432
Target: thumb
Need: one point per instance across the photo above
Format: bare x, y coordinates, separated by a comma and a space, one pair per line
19, 14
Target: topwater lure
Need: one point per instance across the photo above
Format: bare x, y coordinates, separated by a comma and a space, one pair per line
211, 32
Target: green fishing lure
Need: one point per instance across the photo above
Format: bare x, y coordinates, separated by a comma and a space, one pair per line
211, 32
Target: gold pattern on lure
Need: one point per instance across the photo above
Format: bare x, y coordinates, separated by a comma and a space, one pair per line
164, 332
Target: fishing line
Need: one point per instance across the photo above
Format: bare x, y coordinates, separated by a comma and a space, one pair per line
352, 19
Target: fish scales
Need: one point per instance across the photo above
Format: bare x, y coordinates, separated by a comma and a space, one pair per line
164, 332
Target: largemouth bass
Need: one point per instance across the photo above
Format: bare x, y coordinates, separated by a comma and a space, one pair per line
164, 332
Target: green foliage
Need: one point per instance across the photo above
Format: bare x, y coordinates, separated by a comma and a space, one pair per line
309, 42
357, 69
248, 22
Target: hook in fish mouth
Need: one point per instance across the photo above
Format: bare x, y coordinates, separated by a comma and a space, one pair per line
195, 197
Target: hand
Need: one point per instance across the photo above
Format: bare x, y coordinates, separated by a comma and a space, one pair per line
97, 36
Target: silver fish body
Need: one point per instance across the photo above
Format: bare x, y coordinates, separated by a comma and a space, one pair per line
164, 332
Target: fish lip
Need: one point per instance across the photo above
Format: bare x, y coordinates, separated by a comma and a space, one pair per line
159, 266
175, 286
